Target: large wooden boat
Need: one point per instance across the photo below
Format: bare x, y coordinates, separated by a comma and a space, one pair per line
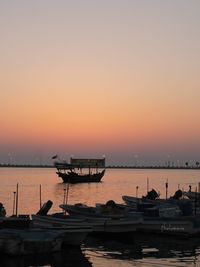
73, 172
74, 177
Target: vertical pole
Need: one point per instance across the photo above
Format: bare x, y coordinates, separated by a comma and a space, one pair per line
147, 185
137, 190
67, 196
64, 199
195, 202
17, 198
166, 187
40, 196
89, 170
14, 193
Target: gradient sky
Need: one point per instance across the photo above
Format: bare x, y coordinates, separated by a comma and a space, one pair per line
90, 78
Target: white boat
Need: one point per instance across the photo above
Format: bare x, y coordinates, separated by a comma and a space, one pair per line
180, 225
186, 205
133, 201
108, 222
171, 219
98, 225
74, 230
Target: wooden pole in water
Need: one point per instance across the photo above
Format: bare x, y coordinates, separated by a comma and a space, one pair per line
40, 196
147, 185
14, 193
64, 199
166, 187
195, 202
67, 196
17, 198
137, 190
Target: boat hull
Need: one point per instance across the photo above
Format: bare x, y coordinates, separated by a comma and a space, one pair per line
188, 226
80, 178
98, 225
75, 230
104, 223
24, 242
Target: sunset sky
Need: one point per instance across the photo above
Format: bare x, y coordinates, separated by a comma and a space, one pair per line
91, 78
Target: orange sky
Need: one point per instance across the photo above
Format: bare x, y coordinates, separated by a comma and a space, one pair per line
100, 78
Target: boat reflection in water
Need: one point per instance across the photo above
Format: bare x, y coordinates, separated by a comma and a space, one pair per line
65, 258
145, 250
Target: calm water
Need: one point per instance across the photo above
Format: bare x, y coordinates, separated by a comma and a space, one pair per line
143, 251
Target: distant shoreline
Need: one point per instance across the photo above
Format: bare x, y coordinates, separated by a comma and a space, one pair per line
107, 167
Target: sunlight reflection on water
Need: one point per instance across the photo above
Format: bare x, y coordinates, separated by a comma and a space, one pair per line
145, 251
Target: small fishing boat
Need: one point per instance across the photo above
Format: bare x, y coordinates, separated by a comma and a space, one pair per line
20, 236
105, 219
175, 217
74, 230
13, 222
177, 225
29, 241
73, 172
131, 200
192, 195
152, 198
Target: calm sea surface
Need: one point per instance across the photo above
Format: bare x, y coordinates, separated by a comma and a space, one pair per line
143, 251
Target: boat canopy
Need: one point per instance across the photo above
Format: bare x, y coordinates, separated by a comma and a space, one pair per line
80, 163
88, 163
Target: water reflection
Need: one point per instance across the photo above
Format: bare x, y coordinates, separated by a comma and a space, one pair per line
66, 258
145, 249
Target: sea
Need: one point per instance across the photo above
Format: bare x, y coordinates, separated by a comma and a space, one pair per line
38, 185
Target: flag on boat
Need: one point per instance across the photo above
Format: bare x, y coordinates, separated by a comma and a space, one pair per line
54, 157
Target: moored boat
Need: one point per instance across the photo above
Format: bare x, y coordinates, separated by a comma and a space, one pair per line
74, 177
74, 230
40, 238
73, 172
131, 200
107, 220
192, 195
180, 225
29, 241
171, 218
